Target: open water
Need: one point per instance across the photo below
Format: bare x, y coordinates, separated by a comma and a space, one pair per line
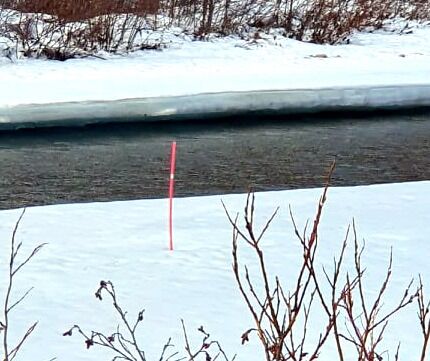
118, 162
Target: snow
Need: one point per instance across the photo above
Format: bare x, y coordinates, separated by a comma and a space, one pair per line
126, 242
387, 57
206, 105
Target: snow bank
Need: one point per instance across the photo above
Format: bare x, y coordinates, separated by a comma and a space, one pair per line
221, 76
126, 242
207, 105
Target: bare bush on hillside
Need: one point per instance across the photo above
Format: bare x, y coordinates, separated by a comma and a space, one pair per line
318, 21
416, 10
10, 351
64, 29
331, 21
40, 35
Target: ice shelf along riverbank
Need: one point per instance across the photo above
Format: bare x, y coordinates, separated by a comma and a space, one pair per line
201, 106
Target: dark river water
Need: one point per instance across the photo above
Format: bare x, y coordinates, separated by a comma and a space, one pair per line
130, 162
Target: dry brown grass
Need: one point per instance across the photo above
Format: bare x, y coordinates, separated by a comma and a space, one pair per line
77, 10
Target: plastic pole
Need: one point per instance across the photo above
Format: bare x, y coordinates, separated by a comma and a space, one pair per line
171, 192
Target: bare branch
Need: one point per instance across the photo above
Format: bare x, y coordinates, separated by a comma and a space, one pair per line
20, 299
7, 306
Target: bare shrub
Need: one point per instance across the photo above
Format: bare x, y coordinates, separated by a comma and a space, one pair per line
318, 21
9, 351
40, 35
417, 10
202, 17
366, 324
125, 345
283, 316
37, 35
112, 33
424, 319
331, 21
70, 28
66, 29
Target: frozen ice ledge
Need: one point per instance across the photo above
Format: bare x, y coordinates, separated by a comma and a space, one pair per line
213, 105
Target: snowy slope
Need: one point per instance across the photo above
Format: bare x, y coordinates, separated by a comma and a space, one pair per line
126, 242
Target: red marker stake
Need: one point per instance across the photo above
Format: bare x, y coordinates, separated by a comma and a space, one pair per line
171, 191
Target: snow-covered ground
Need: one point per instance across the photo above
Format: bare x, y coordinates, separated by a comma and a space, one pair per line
126, 242
186, 67
387, 57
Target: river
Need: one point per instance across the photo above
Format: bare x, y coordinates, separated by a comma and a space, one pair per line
118, 162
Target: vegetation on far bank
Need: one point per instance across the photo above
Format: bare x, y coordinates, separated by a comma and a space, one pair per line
64, 29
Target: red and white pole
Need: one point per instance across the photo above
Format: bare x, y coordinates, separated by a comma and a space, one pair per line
171, 192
